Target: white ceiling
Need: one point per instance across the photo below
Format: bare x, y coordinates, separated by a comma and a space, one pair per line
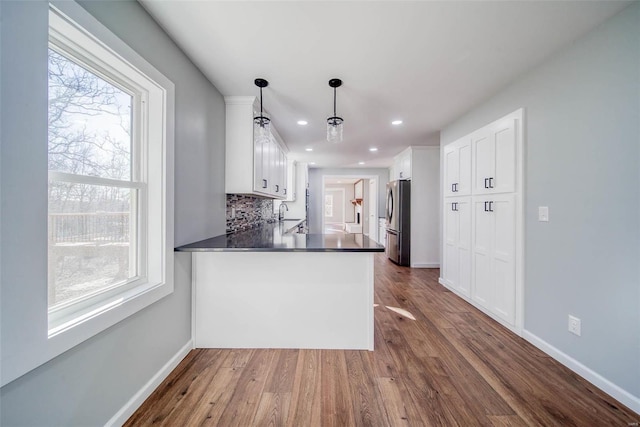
425, 62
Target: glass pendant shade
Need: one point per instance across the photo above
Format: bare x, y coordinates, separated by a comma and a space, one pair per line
261, 120
334, 123
262, 128
335, 126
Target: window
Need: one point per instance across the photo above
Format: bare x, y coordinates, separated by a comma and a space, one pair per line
107, 153
328, 205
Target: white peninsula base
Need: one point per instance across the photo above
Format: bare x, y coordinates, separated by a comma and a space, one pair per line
315, 300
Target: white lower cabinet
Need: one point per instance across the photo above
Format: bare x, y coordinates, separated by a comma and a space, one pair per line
457, 244
493, 254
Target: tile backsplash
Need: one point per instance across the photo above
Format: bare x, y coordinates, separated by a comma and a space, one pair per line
250, 211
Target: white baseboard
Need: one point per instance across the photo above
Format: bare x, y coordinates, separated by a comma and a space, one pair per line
134, 403
425, 265
593, 377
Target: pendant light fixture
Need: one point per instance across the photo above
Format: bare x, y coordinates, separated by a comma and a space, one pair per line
261, 122
334, 123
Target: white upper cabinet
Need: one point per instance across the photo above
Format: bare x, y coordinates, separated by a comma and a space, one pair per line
252, 165
401, 168
290, 190
494, 158
457, 168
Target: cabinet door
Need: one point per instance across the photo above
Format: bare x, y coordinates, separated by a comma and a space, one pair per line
494, 254
292, 169
260, 163
403, 165
504, 135
457, 240
504, 277
494, 158
451, 228
483, 161
483, 235
457, 164
451, 169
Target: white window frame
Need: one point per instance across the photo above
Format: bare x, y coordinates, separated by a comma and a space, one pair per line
148, 168
77, 32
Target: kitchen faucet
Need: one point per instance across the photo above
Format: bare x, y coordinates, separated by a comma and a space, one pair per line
280, 212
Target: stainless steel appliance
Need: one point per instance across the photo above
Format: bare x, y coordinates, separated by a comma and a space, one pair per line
398, 213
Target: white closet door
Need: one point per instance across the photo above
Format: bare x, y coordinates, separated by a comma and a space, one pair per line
464, 245
483, 160
504, 257
452, 171
504, 136
464, 162
451, 264
483, 236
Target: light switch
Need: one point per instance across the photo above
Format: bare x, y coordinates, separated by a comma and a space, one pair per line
543, 213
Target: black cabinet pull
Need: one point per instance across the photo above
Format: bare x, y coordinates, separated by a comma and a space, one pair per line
485, 207
491, 182
285, 192
455, 187
264, 183
277, 188
486, 185
490, 206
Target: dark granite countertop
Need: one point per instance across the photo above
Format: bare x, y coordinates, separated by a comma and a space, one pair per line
277, 237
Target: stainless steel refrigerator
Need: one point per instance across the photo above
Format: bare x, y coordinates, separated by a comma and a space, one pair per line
398, 213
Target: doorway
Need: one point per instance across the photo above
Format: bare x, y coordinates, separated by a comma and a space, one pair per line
358, 196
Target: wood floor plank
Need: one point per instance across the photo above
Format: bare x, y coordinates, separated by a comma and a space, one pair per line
215, 398
306, 399
273, 409
337, 409
450, 366
243, 404
364, 393
393, 402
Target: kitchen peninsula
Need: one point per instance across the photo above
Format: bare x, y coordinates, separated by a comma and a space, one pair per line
268, 287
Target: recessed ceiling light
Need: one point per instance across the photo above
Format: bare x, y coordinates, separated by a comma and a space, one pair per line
302, 122
339, 182
308, 149
361, 163
373, 149
312, 163
396, 122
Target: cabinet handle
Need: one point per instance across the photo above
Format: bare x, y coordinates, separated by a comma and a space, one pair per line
400, 174
453, 188
486, 185
485, 207
277, 188
490, 206
491, 182
285, 192
264, 183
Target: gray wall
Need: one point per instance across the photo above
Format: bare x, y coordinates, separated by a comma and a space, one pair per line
88, 384
315, 190
582, 139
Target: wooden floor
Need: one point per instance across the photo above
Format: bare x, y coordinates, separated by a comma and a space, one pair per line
451, 366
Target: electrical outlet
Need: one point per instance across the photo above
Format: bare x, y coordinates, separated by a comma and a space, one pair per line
574, 325
543, 213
